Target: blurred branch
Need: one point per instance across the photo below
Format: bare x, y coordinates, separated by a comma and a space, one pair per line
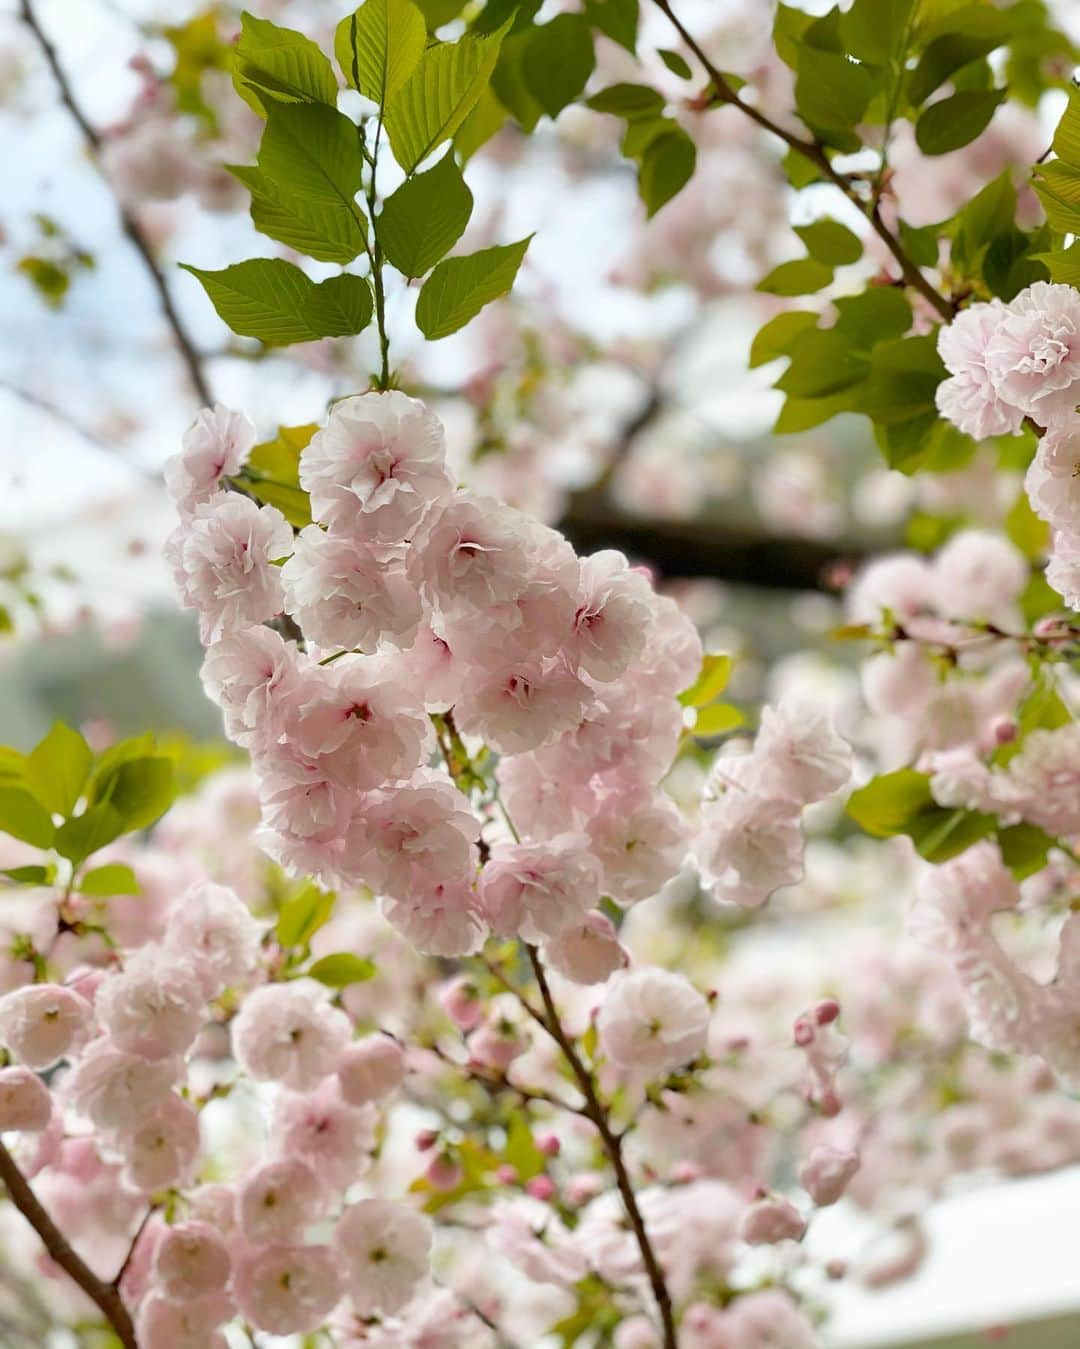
128, 223
721, 93
105, 1297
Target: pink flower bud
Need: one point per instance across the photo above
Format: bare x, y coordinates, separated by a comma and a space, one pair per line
540, 1187
1005, 730
443, 1173
826, 1173
549, 1144
770, 1220
460, 1000
426, 1139
506, 1174
826, 1011
803, 1032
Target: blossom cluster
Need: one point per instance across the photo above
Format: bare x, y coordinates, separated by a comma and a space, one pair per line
1017, 362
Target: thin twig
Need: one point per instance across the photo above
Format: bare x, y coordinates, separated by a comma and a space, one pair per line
128, 223
721, 92
106, 1298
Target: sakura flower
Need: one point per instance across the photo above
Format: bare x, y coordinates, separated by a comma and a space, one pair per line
215, 446
335, 1138
798, 755
441, 918
117, 1090
1063, 568
538, 889
43, 1023
191, 1261
252, 675
154, 1006
534, 1237
588, 951
214, 929
613, 616
383, 1249
1033, 353
639, 839
771, 1220
344, 594
524, 705
826, 1172
970, 399
1053, 478
163, 1324
25, 1103
289, 1033
1044, 779
749, 846
979, 576
279, 1199
652, 1021
287, 1290
370, 1069
161, 1150
770, 1318
376, 467
222, 558
474, 554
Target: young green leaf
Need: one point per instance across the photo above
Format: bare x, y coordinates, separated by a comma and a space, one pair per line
84, 834
438, 96
558, 61
616, 19
803, 276
342, 969
666, 167
139, 790
379, 46
425, 217
58, 767
113, 879
1067, 135
830, 242
955, 121
627, 100
675, 63
776, 337
458, 288
277, 303
278, 65
24, 817
717, 720
302, 914
282, 214
710, 683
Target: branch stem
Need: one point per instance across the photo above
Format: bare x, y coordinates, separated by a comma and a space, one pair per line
105, 1296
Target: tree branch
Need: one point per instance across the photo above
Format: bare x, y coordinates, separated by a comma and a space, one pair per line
722, 93
128, 223
107, 1299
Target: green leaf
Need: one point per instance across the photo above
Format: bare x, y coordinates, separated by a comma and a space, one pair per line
921, 245
628, 101
113, 879
340, 306
438, 96
481, 124
874, 30
313, 154
876, 315
140, 790
1067, 135
379, 46
342, 969
716, 720
508, 82
279, 65
439, 12
558, 61
823, 361
710, 683
666, 167
942, 57
901, 803
84, 834
831, 94
803, 276
32, 875
522, 1152
24, 817
57, 769
272, 473
302, 914
284, 215
1025, 529
675, 63
616, 19
425, 217
956, 120
1024, 848
830, 242
1058, 186
776, 338
1063, 264
277, 303
458, 288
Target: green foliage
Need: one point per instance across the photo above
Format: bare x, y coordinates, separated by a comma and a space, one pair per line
667, 165
279, 65
424, 218
57, 769
710, 683
272, 473
105, 881
437, 97
830, 242
616, 19
717, 720
558, 61
342, 969
901, 803
379, 46
676, 64
24, 817
954, 121
276, 302
458, 288
301, 914
802, 276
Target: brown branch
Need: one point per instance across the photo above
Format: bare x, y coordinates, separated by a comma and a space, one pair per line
128, 223
722, 93
107, 1299
595, 1110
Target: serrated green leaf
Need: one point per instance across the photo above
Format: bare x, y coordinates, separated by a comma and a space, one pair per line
83, 835
112, 879
459, 288
24, 817
830, 242
425, 217
666, 167
58, 767
438, 96
1024, 848
1067, 135
379, 46
901, 803
276, 302
942, 57
776, 337
1063, 264
303, 914
803, 276
287, 217
957, 120
140, 790
675, 63
558, 61
710, 683
279, 65
272, 473
486, 118
342, 969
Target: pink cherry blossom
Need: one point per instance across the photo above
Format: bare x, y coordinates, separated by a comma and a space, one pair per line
370, 1069
798, 754
164, 1324
161, 1150
286, 1289
154, 1006
613, 616
214, 929
335, 1138
252, 675
1033, 353
1053, 478
383, 1249
191, 1261
539, 889
970, 399
826, 1172
770, 1220
587, 952
117, 1090
652, 1021
216, 445
25, 1103
279, 1199
43, 1023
